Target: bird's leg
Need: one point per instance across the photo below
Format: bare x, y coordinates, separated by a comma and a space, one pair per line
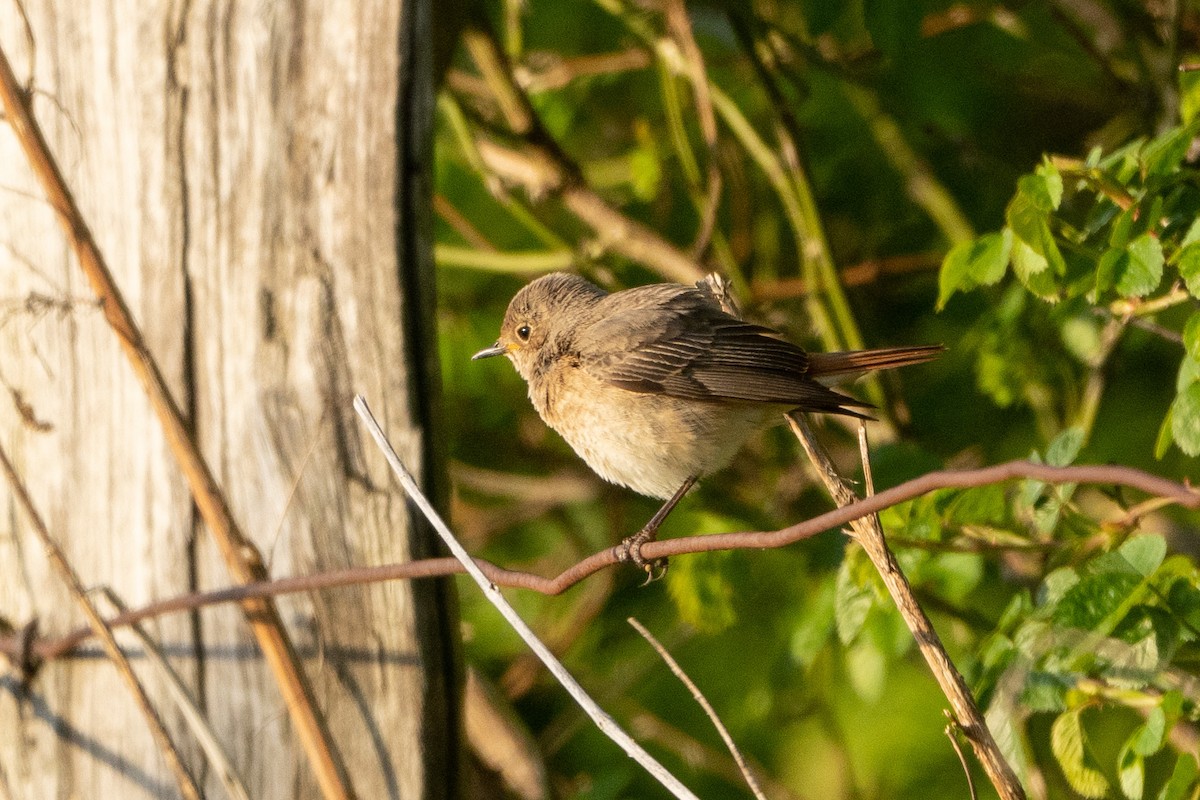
631, 546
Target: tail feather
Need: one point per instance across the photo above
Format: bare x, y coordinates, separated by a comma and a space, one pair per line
856, 362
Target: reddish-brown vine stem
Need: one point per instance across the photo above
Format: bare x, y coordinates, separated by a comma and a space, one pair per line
45, 649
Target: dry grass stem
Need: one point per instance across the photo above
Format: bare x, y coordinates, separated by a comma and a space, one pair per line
218, 760
603, 721
699, 697
58, 560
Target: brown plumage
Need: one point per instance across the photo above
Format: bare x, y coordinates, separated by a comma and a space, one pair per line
657, 386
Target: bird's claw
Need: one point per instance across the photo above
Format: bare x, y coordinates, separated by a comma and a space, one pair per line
655, 570
631, 551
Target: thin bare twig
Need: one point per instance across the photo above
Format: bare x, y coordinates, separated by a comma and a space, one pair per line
653, 728
241, 556
699, 697
462, 226
680, 27
526, 263
869, 534
865, 456
542, 167
220, 762
827, 302
603, 721
859, 274
1167, 491
951, 731
545, 71
58, 560
30, 41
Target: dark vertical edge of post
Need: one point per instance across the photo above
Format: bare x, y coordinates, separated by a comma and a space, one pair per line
436, 601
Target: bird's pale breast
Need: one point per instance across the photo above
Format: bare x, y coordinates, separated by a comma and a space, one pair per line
651, 443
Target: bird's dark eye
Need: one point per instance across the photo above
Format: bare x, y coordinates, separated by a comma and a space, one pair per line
523, 332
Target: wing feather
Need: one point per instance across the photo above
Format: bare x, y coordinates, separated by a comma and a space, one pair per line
675, 340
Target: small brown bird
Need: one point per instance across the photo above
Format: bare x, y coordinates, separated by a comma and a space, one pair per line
657, 386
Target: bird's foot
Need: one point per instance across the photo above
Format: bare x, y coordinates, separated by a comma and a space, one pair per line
630, 550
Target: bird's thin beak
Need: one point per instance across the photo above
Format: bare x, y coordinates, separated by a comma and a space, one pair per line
495, 350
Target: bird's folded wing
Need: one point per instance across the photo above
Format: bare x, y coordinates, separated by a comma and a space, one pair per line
688, 348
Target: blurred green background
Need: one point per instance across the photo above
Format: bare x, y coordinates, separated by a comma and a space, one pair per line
856, 145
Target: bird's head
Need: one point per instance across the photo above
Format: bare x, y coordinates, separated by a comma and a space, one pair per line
541, 318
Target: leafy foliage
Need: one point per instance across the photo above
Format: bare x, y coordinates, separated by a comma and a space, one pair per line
1129, 219
858, 145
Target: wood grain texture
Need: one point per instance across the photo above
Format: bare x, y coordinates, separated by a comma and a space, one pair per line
240, 166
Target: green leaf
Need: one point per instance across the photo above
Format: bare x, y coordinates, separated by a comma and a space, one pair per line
1081, 336
981, 262
645, 171
1181, 779
1043, 189
1138, 269
1144, 553
953, 576
1027, 219
1172, 705
994, 373
1163, 154
1163, 441
997, 652
1056, 585
702, 592
1189, 373
1030, 638
1091, 601
1052, 180
852, 600
1066, 742
1122, 229
1030, 267
1189, 94
1185, 419
1150, 736
985, 505
1010, 736
814, 627
1065, 448
1153, 635
1191, 336
1192, 235
1131, 772
1018, 608
1043, 692
1185, 602
1121, 165
917, 519
1107, 563
1187, 259
1031, 490
1034, 248
1108, 269
867, 669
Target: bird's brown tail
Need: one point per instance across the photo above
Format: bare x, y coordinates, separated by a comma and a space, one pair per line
856, 362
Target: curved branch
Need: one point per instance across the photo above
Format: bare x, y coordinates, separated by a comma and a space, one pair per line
15, 648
